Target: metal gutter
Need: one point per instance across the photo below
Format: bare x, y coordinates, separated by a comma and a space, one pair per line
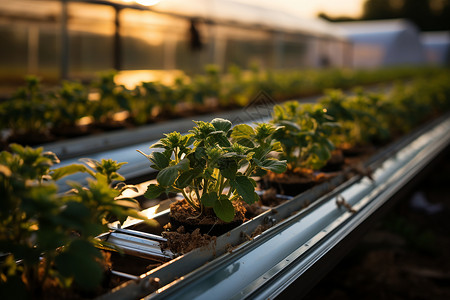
264, 267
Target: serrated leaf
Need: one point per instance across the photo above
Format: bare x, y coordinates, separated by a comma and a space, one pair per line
273, 165
224, 210
242, 131
167, 176
221, 124
222, 141
153, 191
228, 168
244, 188
159, 159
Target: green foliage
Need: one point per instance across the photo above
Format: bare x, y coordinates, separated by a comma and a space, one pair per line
304, 133
112, 98
48, 237
372, 118
213, 164
28, 111
71, 103
34, 110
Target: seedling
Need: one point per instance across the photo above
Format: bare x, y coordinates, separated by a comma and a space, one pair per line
211, 170
304, 134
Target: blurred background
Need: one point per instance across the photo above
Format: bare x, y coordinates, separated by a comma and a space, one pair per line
65, 39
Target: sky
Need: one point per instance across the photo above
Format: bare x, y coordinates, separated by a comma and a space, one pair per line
310, 8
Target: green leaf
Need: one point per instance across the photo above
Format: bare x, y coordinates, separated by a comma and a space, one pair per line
69, 170
187, 177
209, 199
223, 208
182, 165
246, 143
228, 168
221, 124
167, 176
273, 165
242, 131
188, 140
158, 144
289, 125
79, 261
244, 188
220, 139
159, 160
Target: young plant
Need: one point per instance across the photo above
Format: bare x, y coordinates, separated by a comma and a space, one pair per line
47, 240
71, 103
113, 98
207, 86
28, 112
304, 133
209, 169
363, 117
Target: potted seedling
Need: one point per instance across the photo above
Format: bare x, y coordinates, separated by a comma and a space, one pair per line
71, 104
304, 133
362, 119
27, 114
47, 240
112, 100
207, 89
143, 103
212, 172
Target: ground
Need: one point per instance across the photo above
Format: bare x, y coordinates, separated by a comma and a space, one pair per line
406, 255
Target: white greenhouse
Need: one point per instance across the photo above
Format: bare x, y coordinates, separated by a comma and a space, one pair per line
384, 43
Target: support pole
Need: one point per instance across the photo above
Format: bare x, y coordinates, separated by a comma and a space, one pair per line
117, 57
64, 71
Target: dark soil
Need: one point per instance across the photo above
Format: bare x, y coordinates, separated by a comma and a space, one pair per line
270, 198
406, 255
295, 182
182, 214
182, 242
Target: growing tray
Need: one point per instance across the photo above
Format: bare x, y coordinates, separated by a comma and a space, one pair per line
299, 234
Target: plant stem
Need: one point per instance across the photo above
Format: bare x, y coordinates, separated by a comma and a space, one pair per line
189, 200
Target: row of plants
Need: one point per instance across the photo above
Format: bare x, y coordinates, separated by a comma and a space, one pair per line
216, 165
36, 114
48, 240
